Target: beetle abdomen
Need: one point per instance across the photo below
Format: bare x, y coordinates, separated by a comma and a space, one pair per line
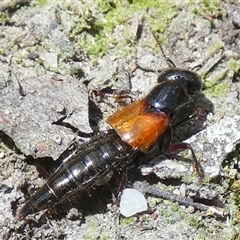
84, 168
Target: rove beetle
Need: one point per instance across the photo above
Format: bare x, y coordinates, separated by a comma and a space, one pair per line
142, 126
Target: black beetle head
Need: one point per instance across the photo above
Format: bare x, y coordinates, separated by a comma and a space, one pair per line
191, 79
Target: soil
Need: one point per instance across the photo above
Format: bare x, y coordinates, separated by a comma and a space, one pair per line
62, 67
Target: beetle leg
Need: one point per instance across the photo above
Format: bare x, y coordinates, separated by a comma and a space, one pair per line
179, 147
198, 114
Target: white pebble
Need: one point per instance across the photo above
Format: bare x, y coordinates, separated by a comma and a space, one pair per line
132, 202
2, 155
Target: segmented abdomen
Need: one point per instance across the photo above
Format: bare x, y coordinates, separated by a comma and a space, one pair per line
83, 169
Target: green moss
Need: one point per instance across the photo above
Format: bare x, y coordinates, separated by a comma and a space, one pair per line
174, 207
92, 231
98, 46
219, 90
3, 18
162, 11
215, 78
4, 148
40, 2
158, 15
206, 7
207, 180
101, 31
214, 48
195, 222
153, 201
127, 221
105, 6
236, 187
99, 34
191, 219
234, 65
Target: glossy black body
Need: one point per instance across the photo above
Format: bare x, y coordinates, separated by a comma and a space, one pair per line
90, 164
173, 94
192, 80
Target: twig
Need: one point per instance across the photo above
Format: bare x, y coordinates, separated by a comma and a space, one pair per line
146, 188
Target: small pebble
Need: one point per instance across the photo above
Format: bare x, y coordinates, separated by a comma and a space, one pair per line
183, 189
2, 155
191, 209
57, 138
132, 202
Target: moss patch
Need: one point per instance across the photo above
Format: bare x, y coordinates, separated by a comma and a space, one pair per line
104, 30
234, 65
205, 7
124, 221
219, 90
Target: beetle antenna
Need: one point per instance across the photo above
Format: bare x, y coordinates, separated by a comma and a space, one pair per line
168, 60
